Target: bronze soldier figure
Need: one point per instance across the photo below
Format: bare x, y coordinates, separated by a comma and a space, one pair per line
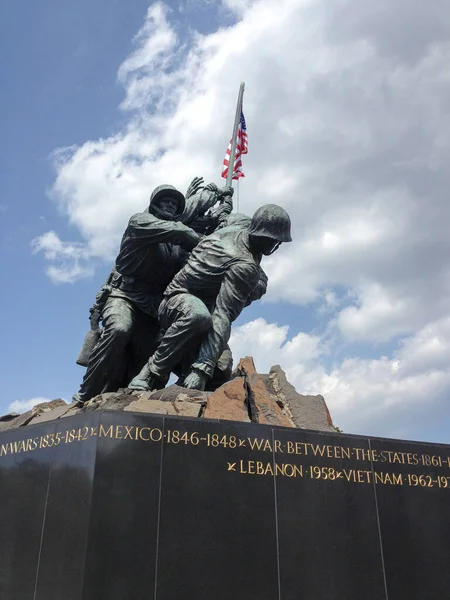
224, 366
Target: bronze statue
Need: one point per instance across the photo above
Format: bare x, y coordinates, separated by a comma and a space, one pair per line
154, 247
220, 278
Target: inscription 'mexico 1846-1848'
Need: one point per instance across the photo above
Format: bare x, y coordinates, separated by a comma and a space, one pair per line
277, 449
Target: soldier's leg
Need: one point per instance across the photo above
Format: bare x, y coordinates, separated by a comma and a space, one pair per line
107, 362
222, 372
143, 344
185, 320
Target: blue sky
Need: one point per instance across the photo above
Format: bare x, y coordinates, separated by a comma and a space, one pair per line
103, 101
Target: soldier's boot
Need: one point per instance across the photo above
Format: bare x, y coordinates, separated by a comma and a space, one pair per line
147, 381
78, 401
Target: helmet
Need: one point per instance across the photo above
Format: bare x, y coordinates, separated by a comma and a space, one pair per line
163, 191
272, 221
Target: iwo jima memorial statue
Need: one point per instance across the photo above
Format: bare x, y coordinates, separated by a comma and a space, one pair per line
227, 484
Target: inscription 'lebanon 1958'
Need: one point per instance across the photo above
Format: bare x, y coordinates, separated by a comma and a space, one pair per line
307, 450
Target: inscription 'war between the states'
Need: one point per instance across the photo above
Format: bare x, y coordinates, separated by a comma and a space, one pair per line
347, 453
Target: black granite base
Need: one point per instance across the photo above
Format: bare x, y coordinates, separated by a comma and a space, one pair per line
118, 506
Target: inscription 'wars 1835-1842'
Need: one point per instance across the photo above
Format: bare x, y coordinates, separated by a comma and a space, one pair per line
286, 458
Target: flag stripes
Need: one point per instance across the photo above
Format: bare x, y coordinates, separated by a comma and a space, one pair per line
241, 148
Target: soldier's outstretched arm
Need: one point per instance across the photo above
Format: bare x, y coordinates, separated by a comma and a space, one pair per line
198, 204
146, 226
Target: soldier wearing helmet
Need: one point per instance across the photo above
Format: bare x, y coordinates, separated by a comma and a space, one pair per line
220, 278
154, 247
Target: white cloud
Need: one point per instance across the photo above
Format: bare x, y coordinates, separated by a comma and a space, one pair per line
380, 316
238, 6
345, 134
22, 406
384, 396
347, 110
267, 341
145, 72
68, 260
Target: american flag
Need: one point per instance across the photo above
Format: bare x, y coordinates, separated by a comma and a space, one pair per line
241, 148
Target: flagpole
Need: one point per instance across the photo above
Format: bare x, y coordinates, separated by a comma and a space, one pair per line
234, 137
